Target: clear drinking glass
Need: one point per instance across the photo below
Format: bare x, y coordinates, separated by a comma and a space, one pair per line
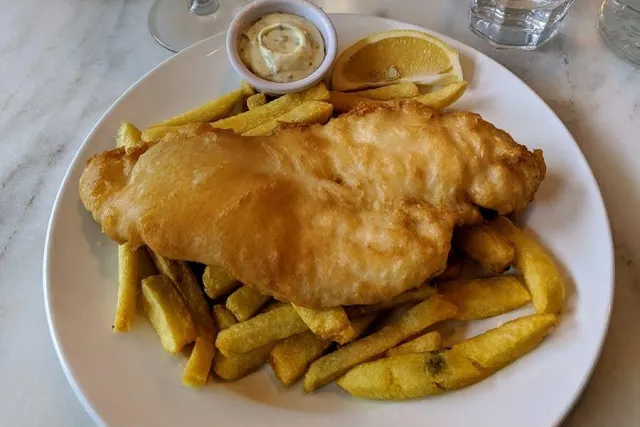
619, 25
177, 24
517, 24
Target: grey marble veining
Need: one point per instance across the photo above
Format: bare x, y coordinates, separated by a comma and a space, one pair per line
62, 63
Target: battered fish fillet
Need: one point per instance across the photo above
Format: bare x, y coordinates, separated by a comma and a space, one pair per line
352, 212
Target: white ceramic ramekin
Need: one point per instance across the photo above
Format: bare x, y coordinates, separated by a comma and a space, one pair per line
254, 11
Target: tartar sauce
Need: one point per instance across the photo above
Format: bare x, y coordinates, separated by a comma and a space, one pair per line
281, 47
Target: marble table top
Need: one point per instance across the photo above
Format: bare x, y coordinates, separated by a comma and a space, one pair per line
62, 63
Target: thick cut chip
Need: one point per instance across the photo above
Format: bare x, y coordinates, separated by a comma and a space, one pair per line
481, 298
196, 372
212, 110
174, 133
128, 136
187, 283
168, 313
415, 320
239, 365
217, 282
256, 100
291, 358
223, 317
329, 323
199, 364
128, 284
540, 273
427, 342
245, 302
278, 323
307, 113
421, 374
248, 120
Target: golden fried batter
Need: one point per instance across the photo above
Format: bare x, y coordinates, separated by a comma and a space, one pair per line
352, 212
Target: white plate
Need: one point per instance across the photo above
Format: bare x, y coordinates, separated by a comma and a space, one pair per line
128, 379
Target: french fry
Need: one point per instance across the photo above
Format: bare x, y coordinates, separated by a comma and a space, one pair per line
237, 365
442, 97
329, 324
174, 133
413, 295
129, 275
248, 120
197, 305
540, 273
245, 302
196, 372
128, 284
500, 346
266, 328
128, 135
223, 317
186, 282
487, 246
427, 342
256, 100
343, 102
482, 298
199, 364
291, 357
168, 313
212, 110
359, 326
308, 112
166, 266
421, 374
217, 282
386, 93
415, 320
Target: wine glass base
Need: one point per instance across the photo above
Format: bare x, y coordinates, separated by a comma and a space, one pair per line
175, 27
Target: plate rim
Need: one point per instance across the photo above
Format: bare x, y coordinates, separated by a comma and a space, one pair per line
46, 267
77, 390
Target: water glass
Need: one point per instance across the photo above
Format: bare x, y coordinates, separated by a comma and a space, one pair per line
619, 25
517, 24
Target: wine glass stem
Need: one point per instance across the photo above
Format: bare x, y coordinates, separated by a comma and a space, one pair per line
203, 7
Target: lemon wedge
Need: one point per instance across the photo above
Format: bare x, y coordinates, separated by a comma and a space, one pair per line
442, 97
393, 57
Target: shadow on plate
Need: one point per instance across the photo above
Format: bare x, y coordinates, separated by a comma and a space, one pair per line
559, 200
264, 388
102, 247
